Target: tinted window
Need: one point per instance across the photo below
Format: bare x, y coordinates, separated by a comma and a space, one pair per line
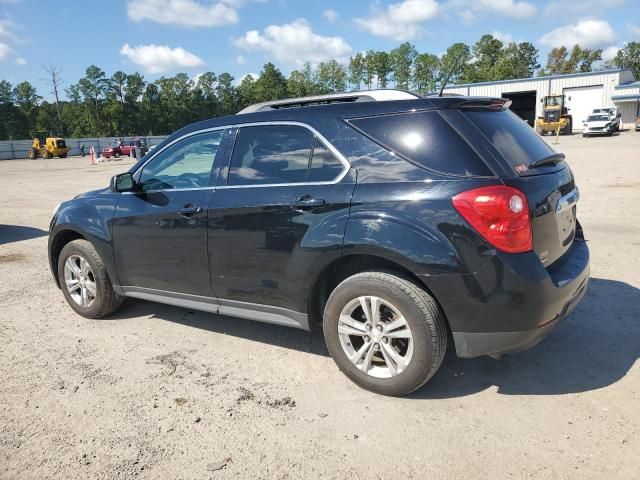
324, 165
426, 139
270, 154
515, 140
185, 164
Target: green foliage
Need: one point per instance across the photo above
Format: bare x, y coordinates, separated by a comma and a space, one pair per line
628, 57
126, 104
402, 59
561, 62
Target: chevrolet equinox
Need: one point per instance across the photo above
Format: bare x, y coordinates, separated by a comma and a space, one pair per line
402, 224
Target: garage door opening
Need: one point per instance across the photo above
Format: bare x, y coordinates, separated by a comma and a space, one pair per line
523, 104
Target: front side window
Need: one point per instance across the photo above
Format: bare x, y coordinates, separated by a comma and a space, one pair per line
270, 154
185, 164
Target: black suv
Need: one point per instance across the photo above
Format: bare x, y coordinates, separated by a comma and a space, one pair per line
400, 223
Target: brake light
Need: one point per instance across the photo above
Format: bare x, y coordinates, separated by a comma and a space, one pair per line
500, 214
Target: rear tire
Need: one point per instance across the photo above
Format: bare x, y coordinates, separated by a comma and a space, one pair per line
63, 155
86, 286
116, 155
401, 358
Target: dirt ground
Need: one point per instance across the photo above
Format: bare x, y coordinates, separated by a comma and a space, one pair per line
163, 392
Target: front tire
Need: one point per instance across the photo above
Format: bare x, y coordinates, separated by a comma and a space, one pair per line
85, 282
385, 333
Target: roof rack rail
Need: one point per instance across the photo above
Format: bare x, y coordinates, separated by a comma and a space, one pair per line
361, 96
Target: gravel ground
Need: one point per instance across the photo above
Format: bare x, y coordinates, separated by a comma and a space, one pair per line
163, 392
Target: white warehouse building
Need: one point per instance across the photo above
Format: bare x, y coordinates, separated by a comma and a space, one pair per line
583, 91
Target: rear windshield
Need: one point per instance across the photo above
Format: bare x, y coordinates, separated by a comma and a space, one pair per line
426, 139
514, 139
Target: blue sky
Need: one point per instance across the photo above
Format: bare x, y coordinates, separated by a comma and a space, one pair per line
163, 37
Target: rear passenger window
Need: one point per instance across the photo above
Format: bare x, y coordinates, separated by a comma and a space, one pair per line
325, 167
270, 154
426, 139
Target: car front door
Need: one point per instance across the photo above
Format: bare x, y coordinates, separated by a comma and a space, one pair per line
279, 212
159, 230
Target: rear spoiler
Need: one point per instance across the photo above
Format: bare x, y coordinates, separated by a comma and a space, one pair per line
482, 104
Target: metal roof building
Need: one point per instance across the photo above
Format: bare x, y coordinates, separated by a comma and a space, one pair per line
584, 92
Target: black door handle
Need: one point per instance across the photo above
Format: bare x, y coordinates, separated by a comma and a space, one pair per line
189, 211
307, 202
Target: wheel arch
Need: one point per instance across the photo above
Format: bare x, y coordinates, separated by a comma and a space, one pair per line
56, 244
347, 265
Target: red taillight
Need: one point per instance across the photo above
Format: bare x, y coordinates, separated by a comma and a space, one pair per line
500, 214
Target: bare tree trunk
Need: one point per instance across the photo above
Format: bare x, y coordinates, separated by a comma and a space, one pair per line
56, 83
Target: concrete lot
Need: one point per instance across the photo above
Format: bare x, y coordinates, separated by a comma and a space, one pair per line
163, 392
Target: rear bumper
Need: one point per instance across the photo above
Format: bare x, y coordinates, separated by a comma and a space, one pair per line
513, 302
470, 344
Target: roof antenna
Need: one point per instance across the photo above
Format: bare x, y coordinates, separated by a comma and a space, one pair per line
446, 80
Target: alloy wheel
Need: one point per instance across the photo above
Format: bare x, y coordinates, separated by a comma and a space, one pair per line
80, 280
375, 336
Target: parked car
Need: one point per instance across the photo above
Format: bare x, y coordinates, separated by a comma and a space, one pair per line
638, 124
598, 124
394, 221
613, 114
112, 150
129, 147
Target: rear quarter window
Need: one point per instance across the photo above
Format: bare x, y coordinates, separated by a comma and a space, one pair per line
426, 139
511, 136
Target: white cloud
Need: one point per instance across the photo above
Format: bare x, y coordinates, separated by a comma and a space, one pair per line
588, 33
7, 52
470, 9
160, 58
187, 13
330, 15
609, 53
503, 37
400, 21
239, 80
240, 60
294, 43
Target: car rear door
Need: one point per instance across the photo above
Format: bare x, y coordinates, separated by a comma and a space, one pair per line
159, 231
277, 215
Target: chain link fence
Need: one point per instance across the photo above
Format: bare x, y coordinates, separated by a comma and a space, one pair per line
18, 149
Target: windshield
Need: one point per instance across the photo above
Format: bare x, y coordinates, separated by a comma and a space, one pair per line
597, 118
553, 101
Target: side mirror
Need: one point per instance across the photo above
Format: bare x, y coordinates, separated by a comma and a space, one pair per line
569, 98
619, 115
122, 182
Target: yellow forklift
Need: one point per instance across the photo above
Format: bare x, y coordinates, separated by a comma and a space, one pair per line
47, 146
555, 116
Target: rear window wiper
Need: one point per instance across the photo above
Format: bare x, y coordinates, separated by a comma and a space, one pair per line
549, 160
